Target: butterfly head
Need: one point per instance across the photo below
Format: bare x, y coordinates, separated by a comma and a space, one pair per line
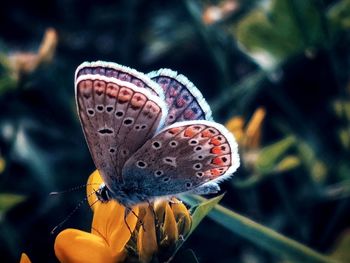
103, 193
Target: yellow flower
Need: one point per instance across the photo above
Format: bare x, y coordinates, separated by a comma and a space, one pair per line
108, 237
165, 224
24, 258
157, 229
248, 137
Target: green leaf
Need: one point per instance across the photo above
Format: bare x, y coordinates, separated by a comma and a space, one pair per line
288, 163
261, 235
202, 210
270, 155
7, 201
283, 28
342, 248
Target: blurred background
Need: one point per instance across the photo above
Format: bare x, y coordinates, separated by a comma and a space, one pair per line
276, 72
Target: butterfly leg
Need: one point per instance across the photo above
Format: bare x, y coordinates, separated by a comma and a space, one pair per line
127, 211
207, 188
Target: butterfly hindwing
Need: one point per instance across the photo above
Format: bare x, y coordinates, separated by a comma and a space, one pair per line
117, 118
184, 100
186, 156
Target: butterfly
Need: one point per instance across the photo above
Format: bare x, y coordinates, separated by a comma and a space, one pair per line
150, 135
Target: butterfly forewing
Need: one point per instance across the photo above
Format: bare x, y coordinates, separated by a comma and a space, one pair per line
184, 100
124, 73
183, 157
117, 118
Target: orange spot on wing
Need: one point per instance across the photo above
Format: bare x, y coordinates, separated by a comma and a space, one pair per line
215, 172
152, 107
206, 133
175, 130
190, 132
217, 161
124, 95
99, 86
138, 100
85, 87
216, 150
215, 141
85, 84
125, 92
112, 90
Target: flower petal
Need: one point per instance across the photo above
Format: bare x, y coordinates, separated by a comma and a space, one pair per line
147, 240
72, 245
235, 125
109, 223
182, 217
24, 258
93, 183
254, 127
107, 217
170, 230
120, 237
159, 208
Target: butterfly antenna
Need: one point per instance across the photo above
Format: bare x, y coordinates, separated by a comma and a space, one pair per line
73, 211
97, 200
127, 225
72, 189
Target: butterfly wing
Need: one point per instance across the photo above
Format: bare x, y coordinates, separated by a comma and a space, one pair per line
184, 100
186, 156
114, 70
117, 118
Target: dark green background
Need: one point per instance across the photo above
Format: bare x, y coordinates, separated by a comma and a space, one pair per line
45, 149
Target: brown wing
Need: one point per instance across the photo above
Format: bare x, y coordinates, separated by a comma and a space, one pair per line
183, 157
117, 118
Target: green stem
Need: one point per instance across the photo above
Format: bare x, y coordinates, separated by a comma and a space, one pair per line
260, 235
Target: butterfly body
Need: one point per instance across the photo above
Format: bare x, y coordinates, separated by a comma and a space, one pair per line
128, 194
150, 136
